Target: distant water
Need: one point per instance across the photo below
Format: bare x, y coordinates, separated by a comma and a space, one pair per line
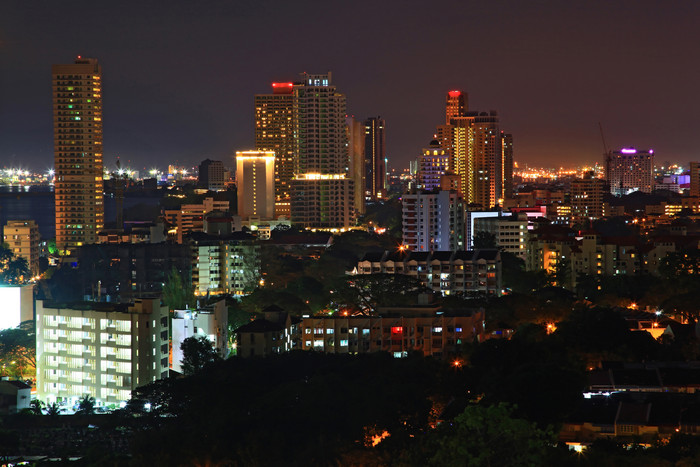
37, 203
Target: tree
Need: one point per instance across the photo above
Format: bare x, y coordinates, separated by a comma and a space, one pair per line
483, 239
36, 407
86, 406
479, 435
53, 409
367, 292
18, 349
197, 353
178, 293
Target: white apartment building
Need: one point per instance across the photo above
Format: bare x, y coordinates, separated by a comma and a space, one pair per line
104, 350
433, 221
210, 322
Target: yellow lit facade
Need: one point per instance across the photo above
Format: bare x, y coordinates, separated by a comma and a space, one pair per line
274, 132
255, 179
77, 117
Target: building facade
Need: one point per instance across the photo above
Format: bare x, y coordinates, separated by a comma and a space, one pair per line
629, 170
433, 164
255, 181
356, 156
190, 217
227, 264
447, 272
211, 175
210, 322
274, 131
587, 199
77, 123
509, 233
433, 335
433, 221
322, 189
22, 237
375, 158
99, 349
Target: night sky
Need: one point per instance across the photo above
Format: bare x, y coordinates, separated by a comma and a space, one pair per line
179, 76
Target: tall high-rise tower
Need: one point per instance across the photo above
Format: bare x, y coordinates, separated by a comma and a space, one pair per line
480, 155
77, 123
322, 190
356, 156
274, 131
455, 105
375, 158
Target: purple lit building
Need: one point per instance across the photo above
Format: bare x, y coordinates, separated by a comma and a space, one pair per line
432, 165
629, 170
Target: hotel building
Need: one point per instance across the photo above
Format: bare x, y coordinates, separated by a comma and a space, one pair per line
629, 170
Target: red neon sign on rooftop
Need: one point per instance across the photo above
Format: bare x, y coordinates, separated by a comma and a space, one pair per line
282, 88
454, 93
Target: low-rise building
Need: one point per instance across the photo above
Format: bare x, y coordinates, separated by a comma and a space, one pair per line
447, 272
99, 349
432, 334
14, 396
275, 333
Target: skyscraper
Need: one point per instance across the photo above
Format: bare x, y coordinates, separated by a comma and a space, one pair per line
375, 158
274, 131
455, 105
629, 170
322, 190
356, 157
77, 122
255, 180
480, 154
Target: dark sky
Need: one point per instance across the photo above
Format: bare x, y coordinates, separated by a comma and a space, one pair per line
179, 76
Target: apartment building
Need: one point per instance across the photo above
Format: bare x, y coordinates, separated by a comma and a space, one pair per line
103, 350
509, 233
22, 237
433, 221
447, 272
226, 264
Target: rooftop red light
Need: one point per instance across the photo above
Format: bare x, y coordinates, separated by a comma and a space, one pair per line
454, 93
282, 85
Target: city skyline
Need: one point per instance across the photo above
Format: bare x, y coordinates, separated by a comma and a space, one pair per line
182, 92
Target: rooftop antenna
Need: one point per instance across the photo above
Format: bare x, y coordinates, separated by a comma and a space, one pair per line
602, 136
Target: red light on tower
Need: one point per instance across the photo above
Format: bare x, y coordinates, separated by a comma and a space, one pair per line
454, 93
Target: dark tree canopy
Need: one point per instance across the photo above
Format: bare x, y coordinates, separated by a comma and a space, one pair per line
197, 352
